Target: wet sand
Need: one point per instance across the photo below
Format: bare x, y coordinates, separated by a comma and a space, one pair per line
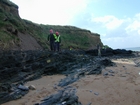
122, 87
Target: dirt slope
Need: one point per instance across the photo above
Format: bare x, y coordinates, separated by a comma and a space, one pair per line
27, 42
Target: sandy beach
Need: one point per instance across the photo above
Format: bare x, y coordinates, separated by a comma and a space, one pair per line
117, 85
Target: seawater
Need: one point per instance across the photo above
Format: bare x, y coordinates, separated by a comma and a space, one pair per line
133, 48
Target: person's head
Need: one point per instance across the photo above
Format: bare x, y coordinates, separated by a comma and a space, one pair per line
51, 31
57, 33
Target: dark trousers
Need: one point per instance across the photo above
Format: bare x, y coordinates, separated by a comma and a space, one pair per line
57, 46
52, 47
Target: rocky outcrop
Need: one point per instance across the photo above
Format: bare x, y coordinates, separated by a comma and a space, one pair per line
18, 67
9, 7
67, 96
110, 52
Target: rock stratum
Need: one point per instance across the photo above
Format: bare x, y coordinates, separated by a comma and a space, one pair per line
19, 67
24, 56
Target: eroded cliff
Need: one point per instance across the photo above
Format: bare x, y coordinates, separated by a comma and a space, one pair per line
20, 34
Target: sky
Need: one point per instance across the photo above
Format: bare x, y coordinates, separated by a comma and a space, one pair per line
117, 21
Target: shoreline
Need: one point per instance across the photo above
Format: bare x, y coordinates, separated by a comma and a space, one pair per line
117, 85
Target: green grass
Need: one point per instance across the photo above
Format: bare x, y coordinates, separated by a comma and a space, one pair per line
6, 40
70, 35
75, 40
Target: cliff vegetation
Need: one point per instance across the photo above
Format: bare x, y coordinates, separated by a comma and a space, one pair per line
16, 33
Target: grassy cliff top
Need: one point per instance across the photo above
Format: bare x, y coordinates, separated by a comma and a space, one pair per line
11, 25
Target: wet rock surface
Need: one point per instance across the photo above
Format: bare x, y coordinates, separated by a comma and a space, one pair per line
18, 67
67, 96
110, 52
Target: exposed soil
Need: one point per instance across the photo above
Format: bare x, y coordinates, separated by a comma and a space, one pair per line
27, 42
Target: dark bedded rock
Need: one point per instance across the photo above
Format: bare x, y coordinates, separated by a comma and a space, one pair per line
22, 87
13, 95
122, 51
97, 70
110, 52
68, 80
23, 66
67, 96
106, 62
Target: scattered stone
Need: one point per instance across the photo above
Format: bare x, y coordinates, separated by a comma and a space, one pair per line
91, 91
24, 88
121, 75
32, 87
111, 74
105, 73
111, 71
63, 102
96, 93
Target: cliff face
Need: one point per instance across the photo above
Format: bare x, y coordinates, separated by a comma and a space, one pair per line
9, 7
17, 33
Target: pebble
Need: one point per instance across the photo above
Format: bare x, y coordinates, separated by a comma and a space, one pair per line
111, 71
96, 93
63, 102
32, 87
23, 87
111, 74
105, 74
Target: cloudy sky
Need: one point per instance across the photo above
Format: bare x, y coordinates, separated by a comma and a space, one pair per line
117, 21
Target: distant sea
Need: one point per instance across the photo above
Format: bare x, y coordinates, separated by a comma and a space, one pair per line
133, 48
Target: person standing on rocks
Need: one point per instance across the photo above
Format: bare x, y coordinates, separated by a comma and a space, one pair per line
51, 39
57, 41
99, 50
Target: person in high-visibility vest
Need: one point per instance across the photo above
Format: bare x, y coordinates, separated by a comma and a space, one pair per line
51, 39
57, 41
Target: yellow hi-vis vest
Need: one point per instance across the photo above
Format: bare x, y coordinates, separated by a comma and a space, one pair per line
57, 38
